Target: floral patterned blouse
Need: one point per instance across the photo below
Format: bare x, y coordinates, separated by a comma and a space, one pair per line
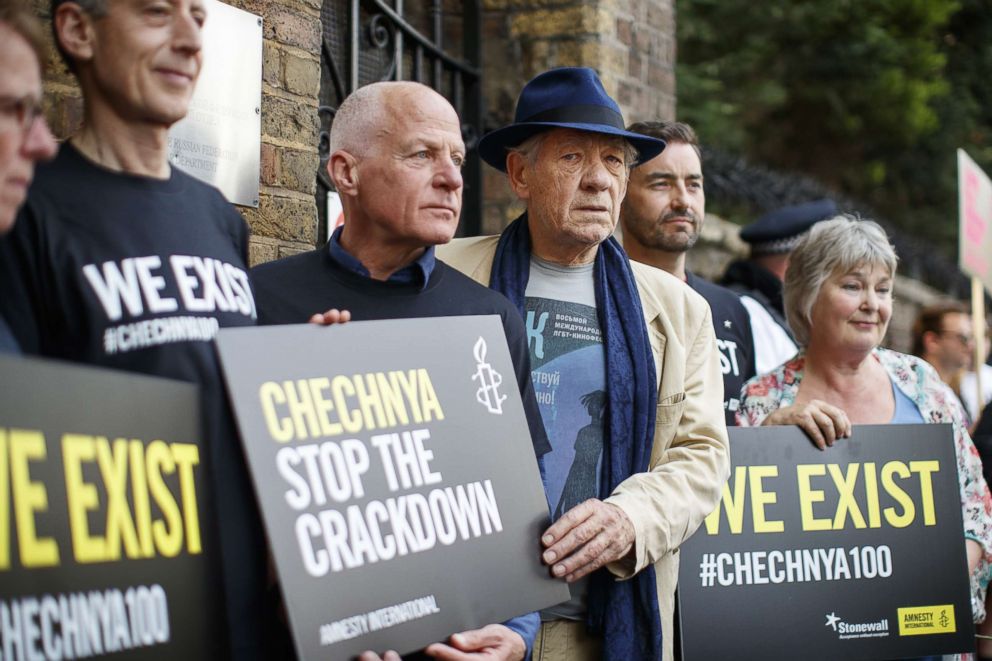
769, 392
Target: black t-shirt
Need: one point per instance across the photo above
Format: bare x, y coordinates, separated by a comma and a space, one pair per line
290, 290
137, 274
733, 337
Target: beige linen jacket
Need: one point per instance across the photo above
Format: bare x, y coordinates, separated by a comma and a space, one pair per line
690, 459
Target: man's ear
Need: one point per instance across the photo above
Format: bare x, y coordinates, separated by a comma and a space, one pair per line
342, 168
74, 31
518, 170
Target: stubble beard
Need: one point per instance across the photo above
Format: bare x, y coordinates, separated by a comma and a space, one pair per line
660, 239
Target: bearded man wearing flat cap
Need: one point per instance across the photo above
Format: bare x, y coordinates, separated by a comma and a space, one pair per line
624, 364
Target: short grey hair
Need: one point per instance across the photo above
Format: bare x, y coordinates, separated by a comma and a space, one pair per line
839, 244
530, 147
357, 118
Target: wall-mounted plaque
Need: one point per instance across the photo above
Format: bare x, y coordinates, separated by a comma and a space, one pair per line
219, 141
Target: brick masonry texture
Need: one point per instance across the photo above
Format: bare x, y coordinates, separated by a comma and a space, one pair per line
631, 43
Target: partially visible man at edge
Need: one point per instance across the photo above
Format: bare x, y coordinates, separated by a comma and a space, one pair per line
396, 158
661, 217
119, 260
627, 364
24, 136
943, 336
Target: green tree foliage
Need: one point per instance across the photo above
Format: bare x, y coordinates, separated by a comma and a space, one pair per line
870, 97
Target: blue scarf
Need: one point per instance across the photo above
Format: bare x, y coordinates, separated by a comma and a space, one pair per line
624, 613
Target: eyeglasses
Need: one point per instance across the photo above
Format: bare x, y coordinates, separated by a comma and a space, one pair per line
21, 112
960, 337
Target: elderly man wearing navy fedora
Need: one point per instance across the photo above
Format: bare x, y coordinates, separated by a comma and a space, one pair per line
758, 280
625, 365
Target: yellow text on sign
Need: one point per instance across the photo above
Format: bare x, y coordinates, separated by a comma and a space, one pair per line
924, 620
135, 534
888, 484
322, 407
19, 448
110, 516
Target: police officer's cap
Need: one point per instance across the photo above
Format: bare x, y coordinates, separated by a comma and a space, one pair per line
779, 231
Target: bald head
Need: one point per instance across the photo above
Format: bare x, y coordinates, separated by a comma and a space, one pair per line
375, 110
396, 159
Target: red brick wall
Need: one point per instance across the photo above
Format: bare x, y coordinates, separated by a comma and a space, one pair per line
631, 43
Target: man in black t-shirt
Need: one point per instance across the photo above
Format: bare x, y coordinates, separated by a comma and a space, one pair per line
119, 260
661, 217
396, 157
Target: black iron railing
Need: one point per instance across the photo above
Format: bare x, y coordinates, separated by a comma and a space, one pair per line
365, 41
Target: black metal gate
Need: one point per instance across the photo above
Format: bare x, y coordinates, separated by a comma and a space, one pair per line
365, 41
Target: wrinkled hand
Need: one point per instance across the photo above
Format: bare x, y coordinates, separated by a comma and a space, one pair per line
822, 422
329, 318
493, 641
585, 538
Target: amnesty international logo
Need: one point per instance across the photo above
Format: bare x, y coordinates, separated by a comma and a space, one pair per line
489, 380
923, 620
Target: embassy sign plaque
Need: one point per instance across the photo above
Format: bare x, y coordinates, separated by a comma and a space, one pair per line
104, 539
396, 476
855, 552
219, 140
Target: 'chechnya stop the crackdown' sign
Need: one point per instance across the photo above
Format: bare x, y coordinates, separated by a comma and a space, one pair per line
396, 476
855, 552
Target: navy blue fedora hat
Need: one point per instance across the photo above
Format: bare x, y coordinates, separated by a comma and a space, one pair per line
569, 98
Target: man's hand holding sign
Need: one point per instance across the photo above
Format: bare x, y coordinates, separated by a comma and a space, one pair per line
492, 642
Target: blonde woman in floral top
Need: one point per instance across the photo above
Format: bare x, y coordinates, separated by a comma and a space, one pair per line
838, 300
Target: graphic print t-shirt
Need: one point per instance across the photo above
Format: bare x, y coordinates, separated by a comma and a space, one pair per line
568, 368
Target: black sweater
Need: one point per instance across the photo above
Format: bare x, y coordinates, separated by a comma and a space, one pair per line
290, 290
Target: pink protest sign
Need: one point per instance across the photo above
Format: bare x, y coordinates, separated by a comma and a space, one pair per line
975, 218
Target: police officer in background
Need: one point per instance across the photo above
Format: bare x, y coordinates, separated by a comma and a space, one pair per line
759, 278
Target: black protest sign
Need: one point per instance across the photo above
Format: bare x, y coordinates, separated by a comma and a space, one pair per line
396, 476
855, 552
104, 546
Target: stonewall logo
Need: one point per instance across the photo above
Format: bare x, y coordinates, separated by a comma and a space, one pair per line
848, 630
